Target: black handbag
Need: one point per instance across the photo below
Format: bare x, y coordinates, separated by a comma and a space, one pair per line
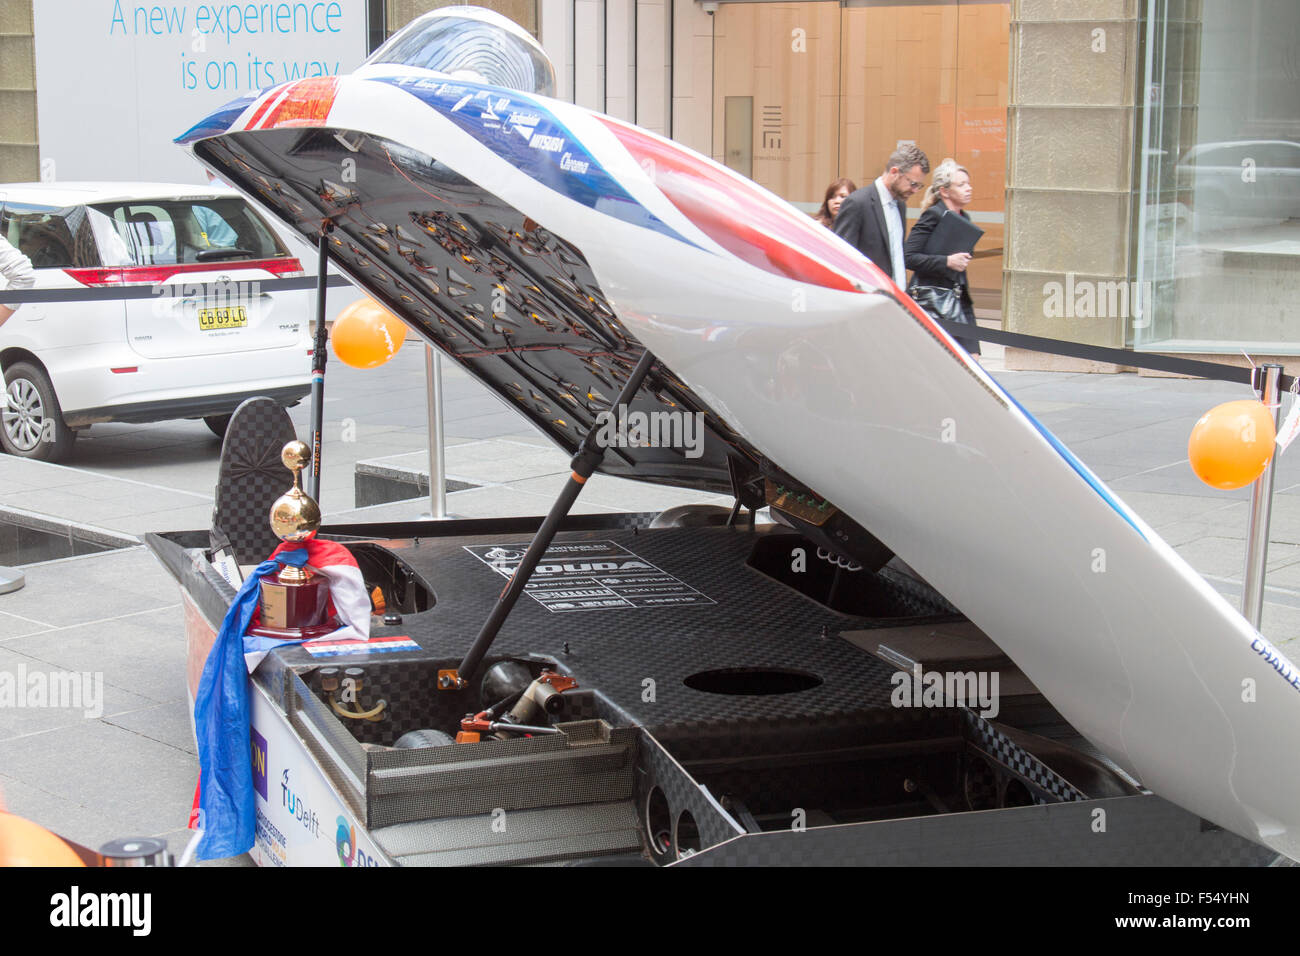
939, 302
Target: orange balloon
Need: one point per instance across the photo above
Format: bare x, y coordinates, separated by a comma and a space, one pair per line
366, 335
1232, 443
23, 843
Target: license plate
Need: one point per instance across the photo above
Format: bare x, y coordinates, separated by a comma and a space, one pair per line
232, 318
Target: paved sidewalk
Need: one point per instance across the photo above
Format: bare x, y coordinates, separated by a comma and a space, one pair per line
127, 764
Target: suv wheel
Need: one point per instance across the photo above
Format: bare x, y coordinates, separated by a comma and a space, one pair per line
33, 423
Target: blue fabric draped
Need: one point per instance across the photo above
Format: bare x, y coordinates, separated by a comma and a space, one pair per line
222, 722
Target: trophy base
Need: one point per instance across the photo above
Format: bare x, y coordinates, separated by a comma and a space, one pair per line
296, 633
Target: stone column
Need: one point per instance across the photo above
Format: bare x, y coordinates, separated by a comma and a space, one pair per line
1071, 129
19, 158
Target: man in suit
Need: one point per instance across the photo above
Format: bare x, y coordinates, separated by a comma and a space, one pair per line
875, 217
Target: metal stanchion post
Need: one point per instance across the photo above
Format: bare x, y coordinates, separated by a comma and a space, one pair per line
437, 469
1261, 505
320, 353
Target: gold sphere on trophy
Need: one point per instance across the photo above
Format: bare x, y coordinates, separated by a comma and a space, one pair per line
295, 516
293, 605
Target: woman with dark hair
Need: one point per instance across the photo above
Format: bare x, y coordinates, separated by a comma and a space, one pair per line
949, 191
836, 193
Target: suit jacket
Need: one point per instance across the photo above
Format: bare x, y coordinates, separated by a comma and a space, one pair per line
932, 268
861, 221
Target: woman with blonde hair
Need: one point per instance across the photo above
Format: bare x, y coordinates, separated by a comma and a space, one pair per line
836, 193
949, 191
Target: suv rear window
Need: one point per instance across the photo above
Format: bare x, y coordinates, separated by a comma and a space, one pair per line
166, 232
53, 238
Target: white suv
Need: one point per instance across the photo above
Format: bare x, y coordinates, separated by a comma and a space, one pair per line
206, 340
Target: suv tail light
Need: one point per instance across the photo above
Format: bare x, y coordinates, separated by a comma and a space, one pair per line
288, 268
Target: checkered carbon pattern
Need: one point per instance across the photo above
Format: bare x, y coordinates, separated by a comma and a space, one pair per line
518, 774
514, 837
342, 758
637, 658
407, 689
656, 768
685, 737
251, 477
406, 686
1050, 786
1140, 830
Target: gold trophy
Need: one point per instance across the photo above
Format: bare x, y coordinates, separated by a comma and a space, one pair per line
293, 602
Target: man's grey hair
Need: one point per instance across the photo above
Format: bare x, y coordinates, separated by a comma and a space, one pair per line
907, 156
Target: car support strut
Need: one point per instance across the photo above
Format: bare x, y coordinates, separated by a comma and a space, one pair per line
584, 463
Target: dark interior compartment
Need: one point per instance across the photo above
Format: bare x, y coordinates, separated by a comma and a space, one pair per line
404, 590
412, 700
840, 585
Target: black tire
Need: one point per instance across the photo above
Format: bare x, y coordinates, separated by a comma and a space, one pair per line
32, 420
218, 424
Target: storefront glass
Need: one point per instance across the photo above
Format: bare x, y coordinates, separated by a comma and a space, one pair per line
806, 93
1218, 213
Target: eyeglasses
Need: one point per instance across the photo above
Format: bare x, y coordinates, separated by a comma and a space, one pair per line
913, 183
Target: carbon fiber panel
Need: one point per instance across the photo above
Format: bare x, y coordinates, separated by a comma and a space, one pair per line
656, 768
1134, 831
514, 836
639, 657
1051, 786
469, 779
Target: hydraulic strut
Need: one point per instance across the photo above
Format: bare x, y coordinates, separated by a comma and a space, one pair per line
584, 463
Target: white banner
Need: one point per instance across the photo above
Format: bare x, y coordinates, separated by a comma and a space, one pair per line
117, 82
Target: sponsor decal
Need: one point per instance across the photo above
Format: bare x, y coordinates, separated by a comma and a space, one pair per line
259, 762
272, 841
591, 576
528, 136
345, 841
324, 647
298, 808
568, 163
1276, 660
552, 144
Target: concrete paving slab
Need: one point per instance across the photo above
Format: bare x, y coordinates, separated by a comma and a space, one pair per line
93, 588
143, 653
92, 823
168, 723
47, 697
137, 785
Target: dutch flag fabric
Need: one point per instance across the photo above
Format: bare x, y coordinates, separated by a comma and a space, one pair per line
221, 706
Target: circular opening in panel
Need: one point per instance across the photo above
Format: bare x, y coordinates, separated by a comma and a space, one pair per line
980, 785
686, 835
752, 681
658, 823
1017, 795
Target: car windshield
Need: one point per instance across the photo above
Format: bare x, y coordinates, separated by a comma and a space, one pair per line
167, 232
